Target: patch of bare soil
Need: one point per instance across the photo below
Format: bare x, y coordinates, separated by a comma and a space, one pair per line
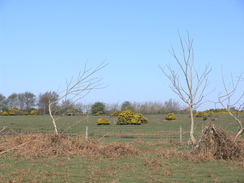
42, 145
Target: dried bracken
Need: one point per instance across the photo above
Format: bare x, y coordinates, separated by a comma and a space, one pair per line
216, 144
42, 145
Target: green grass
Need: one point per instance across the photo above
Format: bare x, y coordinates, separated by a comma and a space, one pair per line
156, 129
147, 168
130, 169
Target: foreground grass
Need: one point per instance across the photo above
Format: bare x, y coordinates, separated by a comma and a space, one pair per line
149, 167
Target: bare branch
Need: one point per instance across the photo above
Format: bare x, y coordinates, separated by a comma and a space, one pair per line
77, 88
227, 101
190, 85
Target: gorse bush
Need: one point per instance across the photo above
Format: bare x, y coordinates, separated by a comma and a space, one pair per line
35, 112
170, 116
129, 117
99, 113
17, 112
115, 113
103, 121
4, 113
11, 113
201, 114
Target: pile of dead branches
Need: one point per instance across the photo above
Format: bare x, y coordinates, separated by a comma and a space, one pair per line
216, 144
43, 145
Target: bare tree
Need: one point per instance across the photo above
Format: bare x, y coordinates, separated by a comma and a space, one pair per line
13, 100
44, 99
30, 100
3, 102
171, 106
232, 102
127, 106
188, 83
77, 88
21, 101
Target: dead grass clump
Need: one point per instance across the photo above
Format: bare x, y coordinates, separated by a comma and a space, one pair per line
172, 153
215, 144
42, 145
153, 163
117, 150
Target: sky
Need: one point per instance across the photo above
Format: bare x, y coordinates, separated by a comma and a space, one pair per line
43, 43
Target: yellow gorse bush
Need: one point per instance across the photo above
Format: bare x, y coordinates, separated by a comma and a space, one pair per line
99, 113
34, 112
201, 114
4, 113
103, 121
129, 117
115, 113
170, 116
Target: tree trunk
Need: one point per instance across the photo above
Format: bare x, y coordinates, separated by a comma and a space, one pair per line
193, 140
53, 120
239, 133
238, 120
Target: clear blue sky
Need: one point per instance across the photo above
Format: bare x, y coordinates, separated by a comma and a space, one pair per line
43, 43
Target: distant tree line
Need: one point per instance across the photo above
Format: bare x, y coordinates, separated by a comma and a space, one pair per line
144, 108
28, 101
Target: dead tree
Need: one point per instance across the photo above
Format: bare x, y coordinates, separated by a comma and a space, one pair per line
77, 88
186, 81
232, 102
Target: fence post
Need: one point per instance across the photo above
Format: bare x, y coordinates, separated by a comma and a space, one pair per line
86, 137
180, 134
87, 117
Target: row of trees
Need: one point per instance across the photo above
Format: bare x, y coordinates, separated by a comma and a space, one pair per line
147, 107
28, 101
23, 101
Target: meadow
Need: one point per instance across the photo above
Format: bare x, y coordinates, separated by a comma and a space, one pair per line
157, 156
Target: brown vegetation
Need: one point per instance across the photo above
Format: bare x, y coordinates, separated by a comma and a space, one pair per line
216, 144
42, 145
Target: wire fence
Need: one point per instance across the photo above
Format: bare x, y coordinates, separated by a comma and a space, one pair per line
114, 133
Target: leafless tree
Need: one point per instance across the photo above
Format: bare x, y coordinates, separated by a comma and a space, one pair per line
171, 106
186, 81
3, 102
77, 88
30, 100
12, 100
232, 102
44, 99
156, 107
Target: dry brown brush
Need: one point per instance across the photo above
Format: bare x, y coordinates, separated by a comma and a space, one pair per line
216, 144
43, 145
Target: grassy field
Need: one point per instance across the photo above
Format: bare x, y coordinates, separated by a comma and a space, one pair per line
155, 140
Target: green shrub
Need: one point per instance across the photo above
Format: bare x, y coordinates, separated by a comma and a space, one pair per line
127, 106
129, 117
170, 116
98, 108
103, 121
204, 118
